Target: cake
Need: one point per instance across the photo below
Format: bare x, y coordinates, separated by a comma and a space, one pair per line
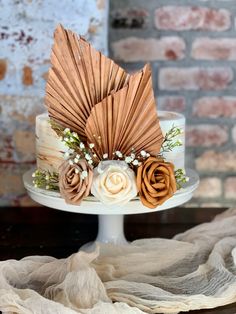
102, 134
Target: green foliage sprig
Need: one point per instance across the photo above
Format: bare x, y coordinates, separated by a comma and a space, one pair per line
46, 180
77, 149
169, 142
181, 178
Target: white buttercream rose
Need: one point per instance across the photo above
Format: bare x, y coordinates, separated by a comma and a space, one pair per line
114, 182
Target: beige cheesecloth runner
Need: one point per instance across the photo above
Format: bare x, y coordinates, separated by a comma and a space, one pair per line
196, 269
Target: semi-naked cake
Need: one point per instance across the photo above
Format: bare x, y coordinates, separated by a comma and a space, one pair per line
50, 149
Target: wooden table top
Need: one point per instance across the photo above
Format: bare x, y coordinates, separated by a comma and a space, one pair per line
45, 231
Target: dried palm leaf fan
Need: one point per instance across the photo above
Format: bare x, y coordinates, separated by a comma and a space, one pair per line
126, 119
79, 78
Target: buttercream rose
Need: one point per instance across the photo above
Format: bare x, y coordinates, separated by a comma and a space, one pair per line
155, 181
114, 182
75, 181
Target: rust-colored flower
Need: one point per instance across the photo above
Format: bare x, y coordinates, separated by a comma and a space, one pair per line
75, 180
155, 181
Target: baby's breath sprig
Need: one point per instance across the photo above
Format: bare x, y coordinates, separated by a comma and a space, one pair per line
169, 142
133, 159
77, 149
181, 178
45, 179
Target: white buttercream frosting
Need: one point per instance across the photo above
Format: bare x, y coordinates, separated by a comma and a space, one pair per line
169, 119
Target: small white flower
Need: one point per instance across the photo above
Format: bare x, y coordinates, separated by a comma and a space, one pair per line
143, 153
90, 162
84, 174
135, 162
81, 145
75, 134
47, 187
119, 154
71, 162
33, 175
91, 145
66, 130
77, 156
147, 155
105, 156
128, 159
71, 139
94, 155
132, 155
33, 182
179, 142
187, 179
66, 139
87, 156
76, 160
36, 185
66, 155
76, 170
47, 177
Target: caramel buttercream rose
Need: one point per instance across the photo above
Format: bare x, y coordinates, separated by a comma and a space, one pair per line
75, 180
155, 181
114, 182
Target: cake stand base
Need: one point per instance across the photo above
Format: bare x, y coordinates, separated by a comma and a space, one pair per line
110, 230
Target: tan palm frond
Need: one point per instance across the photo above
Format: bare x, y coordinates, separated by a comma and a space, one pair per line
80, 77
126, 119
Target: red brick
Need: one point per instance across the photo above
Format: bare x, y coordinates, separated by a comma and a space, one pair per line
12, 185
134, 49
214, 107
206, 135
129, 18
171, 103
3, 68
209, 188
234, 135
24, 142
27, 77
6, 145
230, 188
217, 78
180, 18
214, 49
216, 161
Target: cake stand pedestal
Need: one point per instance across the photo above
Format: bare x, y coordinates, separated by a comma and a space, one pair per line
110, 218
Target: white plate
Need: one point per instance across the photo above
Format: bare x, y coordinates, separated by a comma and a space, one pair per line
92, 206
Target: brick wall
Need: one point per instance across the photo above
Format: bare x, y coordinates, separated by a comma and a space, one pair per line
26, 32
191, 45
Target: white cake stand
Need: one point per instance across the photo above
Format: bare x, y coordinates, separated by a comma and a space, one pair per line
110, 218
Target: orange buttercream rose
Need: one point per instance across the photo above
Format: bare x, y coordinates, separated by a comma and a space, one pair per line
155, 181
